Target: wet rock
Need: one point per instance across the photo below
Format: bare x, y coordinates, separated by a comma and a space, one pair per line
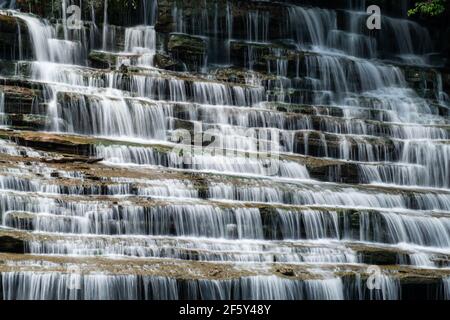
423, 80
11, 30
50, 142
25, 220
217, 10
10, 244
123, 68
164, 61
288, 272
190, 50
305, 109
183, 124
239, 75
73, 160
340, 173
55, 174
102, 60
319, 144
378, 257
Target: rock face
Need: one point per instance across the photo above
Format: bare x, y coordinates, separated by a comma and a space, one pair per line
190, 50
14, 39
240, 149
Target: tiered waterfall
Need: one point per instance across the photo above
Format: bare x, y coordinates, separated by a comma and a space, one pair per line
331, 153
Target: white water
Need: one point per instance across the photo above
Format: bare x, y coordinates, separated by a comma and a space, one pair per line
227, 208
141, 40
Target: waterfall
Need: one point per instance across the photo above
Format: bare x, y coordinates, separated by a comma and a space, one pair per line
46, 45
310, 25
7, 4
41, 33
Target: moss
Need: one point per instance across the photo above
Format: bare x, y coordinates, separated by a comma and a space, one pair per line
102, 60
11, 244
240, 75
164, 61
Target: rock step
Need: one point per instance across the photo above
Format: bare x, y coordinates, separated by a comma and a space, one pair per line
360, 148
81, 177
179, 86
98, 202
15, 241
21, 108
288, 124
10, 28
173, 86
220, 219
205, 270
365, 110
285, 276
153, 83
266, 56
322, 169
163, 155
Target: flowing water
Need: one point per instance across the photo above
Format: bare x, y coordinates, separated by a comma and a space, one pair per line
2, 109
304, 151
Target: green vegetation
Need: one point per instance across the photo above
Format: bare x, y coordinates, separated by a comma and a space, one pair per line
429, 8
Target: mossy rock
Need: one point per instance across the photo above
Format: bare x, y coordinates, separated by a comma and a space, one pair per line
164, 61
102, 60
187, 44
240, 75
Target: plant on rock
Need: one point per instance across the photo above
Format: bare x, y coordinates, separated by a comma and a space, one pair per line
429, 8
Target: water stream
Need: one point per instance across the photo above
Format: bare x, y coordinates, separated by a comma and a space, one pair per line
362, 157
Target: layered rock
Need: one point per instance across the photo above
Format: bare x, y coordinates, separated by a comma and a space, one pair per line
275, 148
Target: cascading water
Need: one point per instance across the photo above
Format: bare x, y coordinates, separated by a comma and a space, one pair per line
7, 4
304, 151
3, 119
